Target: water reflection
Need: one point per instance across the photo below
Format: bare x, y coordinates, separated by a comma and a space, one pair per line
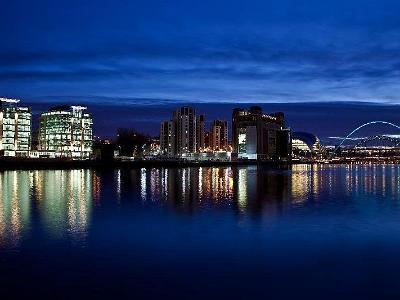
63, 200
60, 202
255, 189
244, 189
15, 206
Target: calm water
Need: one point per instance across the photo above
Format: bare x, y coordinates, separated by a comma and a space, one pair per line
246, 232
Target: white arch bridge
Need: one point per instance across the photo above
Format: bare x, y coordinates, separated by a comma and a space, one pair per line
362, 126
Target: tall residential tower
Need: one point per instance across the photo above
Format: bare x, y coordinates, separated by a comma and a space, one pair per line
184, 134
200, 133
219, 135
167, 138
185, 129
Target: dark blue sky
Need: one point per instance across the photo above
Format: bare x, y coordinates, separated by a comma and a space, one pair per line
135, 53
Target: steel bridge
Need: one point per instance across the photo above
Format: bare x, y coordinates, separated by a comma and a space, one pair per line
385, 138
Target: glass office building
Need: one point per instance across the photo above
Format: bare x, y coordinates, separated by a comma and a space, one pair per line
67, 131
15, 128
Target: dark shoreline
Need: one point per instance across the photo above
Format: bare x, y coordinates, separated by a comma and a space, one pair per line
38, 164
43, 164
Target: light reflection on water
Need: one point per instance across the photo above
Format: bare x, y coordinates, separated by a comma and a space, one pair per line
326, 230
61, 202
62, 199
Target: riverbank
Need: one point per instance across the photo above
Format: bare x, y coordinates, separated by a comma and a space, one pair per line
46, 163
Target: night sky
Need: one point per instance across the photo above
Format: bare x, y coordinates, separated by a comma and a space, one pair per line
329, 65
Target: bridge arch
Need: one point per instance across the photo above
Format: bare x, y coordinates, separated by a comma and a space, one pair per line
362, 126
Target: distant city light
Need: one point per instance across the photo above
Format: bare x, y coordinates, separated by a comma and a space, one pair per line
9, 100
78, 107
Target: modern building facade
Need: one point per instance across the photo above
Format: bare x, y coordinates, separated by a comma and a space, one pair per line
219, 135
305, 144
15, 128
167, 138
67, 131
256, 135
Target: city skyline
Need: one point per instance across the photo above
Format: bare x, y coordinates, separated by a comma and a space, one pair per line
308, 117
66, 131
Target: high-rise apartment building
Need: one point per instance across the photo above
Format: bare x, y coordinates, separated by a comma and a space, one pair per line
167, 138
67, 131
15, 128
259, 136
207, 138
184, 134
219, 135
185, 130
200, 133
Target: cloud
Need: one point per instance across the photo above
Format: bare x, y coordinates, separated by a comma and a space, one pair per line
276, 50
